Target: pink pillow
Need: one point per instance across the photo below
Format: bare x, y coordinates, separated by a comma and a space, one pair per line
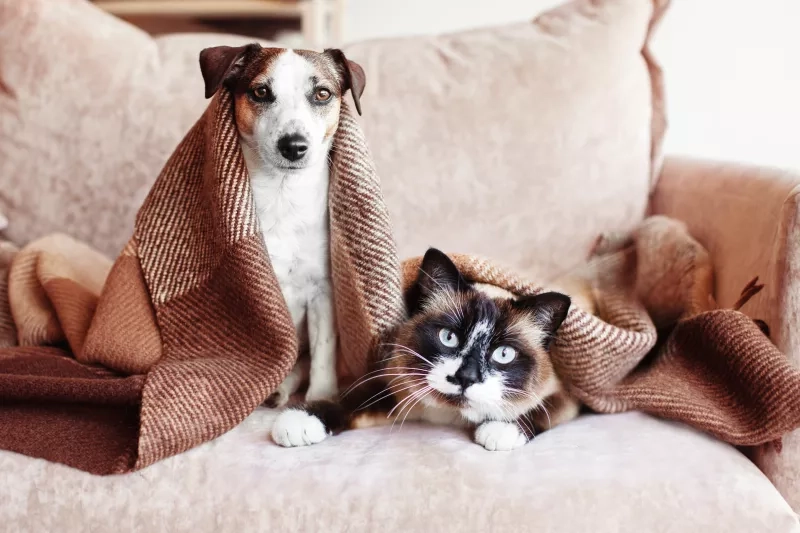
520, 142
91, 107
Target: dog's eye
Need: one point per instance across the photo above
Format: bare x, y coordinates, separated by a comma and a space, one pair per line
504, 354
448, 338
322, 95
261, 93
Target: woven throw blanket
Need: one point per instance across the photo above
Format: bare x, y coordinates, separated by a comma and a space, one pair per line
109, 367
648, 336
121, 365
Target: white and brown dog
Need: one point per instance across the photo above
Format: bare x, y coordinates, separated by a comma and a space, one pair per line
286, 106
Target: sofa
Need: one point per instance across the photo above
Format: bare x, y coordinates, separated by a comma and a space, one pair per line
523, 142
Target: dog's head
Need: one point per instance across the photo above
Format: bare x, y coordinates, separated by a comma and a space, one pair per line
286, 101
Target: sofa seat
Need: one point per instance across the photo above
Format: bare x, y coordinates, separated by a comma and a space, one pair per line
613, 473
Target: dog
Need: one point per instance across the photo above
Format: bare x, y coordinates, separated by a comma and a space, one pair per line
286, 107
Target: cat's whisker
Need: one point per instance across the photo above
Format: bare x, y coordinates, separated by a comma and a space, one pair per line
361, 382
520, 422
390, 392
401, 353
543, 407
540, 404
414, 398
387, 373
405, 401
389, 383
356, 383
409, 350
400, 403
506, 410
408, 411
398, 353
530, 395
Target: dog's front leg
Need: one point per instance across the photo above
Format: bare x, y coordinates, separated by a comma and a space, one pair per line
322, 383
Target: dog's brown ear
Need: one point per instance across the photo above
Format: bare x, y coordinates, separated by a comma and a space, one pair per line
352, 75
220, 63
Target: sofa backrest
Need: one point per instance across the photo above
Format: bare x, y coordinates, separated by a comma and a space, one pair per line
521, 142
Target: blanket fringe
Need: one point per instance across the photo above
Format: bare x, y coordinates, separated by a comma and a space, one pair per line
751, 289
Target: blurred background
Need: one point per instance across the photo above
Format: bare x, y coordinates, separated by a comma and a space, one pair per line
733, 78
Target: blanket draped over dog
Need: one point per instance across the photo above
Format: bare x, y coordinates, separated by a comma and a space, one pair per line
189, 333
109, 368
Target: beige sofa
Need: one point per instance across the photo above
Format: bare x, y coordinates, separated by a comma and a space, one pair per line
505, 142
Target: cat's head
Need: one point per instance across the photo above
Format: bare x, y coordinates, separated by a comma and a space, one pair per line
485, 354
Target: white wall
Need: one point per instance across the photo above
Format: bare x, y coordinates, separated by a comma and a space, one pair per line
733, 79
732, 66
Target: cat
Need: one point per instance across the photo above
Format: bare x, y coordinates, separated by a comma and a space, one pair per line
469, 355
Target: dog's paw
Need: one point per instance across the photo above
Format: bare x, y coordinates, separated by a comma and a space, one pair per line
279, 398
284, 392
326, 390
295, 427
499, 436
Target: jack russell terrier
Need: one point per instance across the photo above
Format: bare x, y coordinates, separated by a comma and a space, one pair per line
286, 104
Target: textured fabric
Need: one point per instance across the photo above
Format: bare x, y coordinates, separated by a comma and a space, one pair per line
81, 158
192, 302
58, 409
749, 219
606, 474
471, 138
54, 284
714, 368
545, 133
8, 330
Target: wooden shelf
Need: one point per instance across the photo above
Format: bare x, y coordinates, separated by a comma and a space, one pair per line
203, 8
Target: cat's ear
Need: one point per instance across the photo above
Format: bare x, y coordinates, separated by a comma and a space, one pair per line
547, 310
437, 273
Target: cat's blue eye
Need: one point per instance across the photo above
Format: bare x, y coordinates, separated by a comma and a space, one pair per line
504, 355
448, 337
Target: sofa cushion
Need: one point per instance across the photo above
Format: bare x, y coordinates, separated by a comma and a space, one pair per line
521, 142
91, 107
621, 473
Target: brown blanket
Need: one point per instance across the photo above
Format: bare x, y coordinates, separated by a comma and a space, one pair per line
655, 341
189, 332
118, 366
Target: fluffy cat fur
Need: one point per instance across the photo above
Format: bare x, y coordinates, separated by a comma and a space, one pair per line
468, 355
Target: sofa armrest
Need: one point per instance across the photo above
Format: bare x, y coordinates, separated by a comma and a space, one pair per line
749, 219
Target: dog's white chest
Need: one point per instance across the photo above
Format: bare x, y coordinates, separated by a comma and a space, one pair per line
293, 214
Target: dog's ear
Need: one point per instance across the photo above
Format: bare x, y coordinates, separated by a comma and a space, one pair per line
353, 77
221, 63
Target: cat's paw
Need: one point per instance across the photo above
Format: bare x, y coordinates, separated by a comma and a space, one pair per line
499, 436
295, 427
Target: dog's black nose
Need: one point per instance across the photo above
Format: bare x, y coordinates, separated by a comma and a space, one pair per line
293, 147
468, 374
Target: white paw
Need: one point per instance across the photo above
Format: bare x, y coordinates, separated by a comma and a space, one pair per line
294, 427
499, 436
325, 390
279, 398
